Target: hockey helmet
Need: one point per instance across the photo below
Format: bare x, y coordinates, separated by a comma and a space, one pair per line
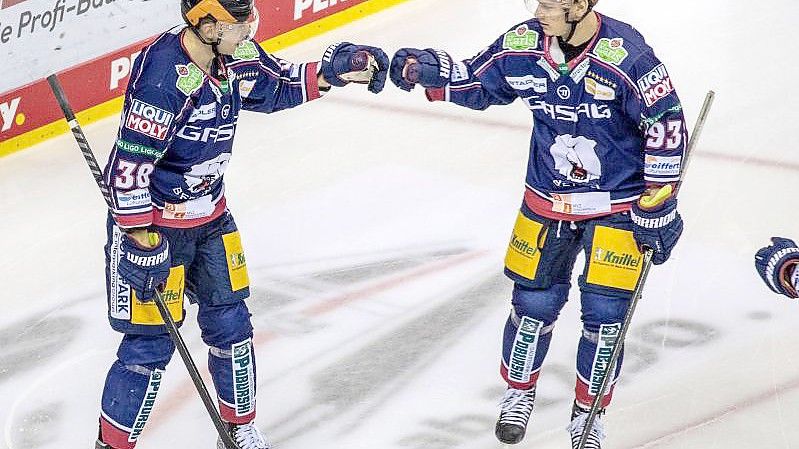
231, 11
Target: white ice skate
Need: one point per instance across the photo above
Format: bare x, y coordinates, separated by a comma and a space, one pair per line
515, 411
246, 436
577, 428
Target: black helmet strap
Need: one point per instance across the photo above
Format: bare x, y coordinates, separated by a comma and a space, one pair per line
574, 23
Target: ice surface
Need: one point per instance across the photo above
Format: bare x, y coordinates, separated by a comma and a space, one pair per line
375, 228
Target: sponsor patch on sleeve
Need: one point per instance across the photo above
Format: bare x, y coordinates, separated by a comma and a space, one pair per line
655, 85
133, 198
662, 165
148, 120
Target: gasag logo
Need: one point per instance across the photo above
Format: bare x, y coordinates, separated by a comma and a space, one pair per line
210, 134
149, 120
655, 85
570, 113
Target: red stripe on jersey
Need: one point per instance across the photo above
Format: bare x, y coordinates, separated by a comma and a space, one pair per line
543, 207
159, 220
312, 80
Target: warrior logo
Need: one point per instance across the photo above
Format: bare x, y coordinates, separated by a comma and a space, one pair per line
576, 158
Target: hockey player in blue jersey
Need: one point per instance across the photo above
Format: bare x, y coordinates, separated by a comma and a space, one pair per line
777, 263
170, 229
605, 151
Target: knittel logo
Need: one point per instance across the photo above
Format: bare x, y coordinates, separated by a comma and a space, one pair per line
148, 120
615, 259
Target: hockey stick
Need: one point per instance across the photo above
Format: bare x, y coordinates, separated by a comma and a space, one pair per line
171, 327
639, 286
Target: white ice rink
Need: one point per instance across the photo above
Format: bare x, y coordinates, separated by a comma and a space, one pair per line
375, 228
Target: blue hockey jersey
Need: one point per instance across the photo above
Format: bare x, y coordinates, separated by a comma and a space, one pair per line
606, 124
176, 134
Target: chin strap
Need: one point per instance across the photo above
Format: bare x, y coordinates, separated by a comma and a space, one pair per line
574, 23
213, 44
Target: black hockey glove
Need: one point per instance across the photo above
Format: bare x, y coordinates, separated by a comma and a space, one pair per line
430, 67
658, 229
776, 264
346, 63
144, 269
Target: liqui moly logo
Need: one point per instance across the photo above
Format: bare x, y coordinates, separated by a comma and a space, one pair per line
655, 85
148, 120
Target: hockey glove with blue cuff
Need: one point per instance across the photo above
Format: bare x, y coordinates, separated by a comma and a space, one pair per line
657, 224
144, 269
776, 264
429, 67
345, 63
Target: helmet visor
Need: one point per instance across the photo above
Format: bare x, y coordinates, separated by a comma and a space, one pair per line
237, 32
548, 8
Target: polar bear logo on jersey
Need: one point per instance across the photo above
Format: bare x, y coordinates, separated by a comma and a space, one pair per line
576, 158
203, 175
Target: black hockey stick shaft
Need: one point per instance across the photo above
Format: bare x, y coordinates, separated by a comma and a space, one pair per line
170, 325
639, 286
